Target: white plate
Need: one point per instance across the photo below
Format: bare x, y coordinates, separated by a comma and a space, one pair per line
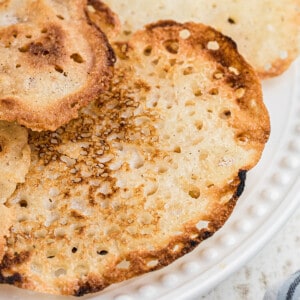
269, 199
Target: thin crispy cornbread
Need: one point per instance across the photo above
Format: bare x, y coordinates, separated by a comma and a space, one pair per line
266, 31
146, 173
53, 61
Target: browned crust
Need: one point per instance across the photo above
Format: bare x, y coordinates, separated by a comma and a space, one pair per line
7, 220
65, 109
14, 278
277, 67
217, 213
104, 18
266, 67
226, 56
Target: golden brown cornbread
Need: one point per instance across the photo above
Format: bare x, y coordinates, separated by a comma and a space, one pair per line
146, 172
266, 31
53, 61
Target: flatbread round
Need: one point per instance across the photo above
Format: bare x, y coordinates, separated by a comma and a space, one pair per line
147, 172
53, 61
266, 31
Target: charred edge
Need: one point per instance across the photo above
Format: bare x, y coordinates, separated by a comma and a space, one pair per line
189, 245
222, 57
7, 103
111, 57
122, 49
235, 81
111, 54
205, 235
227, 56
230, 41
224, 38
9, 261
192, 244
16, 259
104, 9
241, 186
99, 6
227, 46
90, 287
87, 288
266, 135
162, 24
13, 279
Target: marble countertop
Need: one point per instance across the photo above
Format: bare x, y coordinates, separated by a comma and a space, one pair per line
278, 259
